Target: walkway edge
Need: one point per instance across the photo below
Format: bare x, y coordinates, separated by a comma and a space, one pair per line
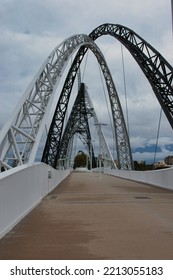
22, 189
161, 178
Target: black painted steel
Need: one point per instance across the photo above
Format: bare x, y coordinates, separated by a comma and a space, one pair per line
77, 124
157, 70
51, 149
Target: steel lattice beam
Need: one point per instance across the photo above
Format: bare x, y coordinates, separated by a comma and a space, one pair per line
56, 128
82, 110
77, 124
105, 151
20, 136
156, 69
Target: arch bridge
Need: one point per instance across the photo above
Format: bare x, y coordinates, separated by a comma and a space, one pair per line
20, 136
28, 182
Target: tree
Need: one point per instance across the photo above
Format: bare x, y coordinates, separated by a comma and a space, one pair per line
80, 160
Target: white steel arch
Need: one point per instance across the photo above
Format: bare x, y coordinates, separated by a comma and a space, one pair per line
20, 136
105, 151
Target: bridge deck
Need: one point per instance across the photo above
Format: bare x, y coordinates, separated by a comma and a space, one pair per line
88, 217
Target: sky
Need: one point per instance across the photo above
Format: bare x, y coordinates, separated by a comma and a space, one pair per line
31, 29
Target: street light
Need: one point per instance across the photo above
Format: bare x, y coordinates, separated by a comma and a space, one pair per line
100, 149
90, 149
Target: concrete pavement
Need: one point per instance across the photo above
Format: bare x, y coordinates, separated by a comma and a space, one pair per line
88, 217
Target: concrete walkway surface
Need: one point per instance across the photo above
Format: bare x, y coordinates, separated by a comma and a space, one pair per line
89, 217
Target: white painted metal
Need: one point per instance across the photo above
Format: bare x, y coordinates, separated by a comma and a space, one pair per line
22, 188
161, 178
20, 136
28, 184
104, 148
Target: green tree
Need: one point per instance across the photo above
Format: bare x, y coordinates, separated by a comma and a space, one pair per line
80, 160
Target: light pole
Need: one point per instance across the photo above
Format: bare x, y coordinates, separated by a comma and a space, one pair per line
100, 149
90, 150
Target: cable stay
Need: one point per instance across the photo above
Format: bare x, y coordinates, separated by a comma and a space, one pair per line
82, 80
157, 137
109, 113
125, 90
78, 125
21, 135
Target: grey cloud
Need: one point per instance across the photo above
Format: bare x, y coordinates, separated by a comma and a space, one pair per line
31, 29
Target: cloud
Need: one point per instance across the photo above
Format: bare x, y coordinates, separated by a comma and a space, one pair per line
31, 29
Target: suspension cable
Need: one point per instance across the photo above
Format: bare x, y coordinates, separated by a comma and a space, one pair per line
74, 145
67, 113
125, 89
109, 114
157, 138
85, 65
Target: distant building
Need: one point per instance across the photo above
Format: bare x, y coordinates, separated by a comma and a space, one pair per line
169, 160
140, 161
159, 164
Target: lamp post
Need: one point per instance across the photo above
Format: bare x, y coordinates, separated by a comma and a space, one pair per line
100, 149
90, 150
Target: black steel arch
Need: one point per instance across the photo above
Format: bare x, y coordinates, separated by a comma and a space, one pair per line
157, 70
51, 152
78, 124
155, 67
51, 149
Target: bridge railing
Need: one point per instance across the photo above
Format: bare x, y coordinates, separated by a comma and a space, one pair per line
22, 188
161, 178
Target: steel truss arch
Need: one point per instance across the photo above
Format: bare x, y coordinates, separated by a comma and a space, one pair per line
82, 110
155, 67
20, 136
157, 70
51, 151
77, 124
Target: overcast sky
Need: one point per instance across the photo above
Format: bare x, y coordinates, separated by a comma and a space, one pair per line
31, 29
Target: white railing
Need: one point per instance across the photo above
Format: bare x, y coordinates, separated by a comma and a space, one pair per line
22, 188
162, 178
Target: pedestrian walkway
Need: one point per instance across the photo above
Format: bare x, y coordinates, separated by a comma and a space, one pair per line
89, 217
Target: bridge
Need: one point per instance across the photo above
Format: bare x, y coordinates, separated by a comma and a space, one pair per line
25, 182
89, 216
